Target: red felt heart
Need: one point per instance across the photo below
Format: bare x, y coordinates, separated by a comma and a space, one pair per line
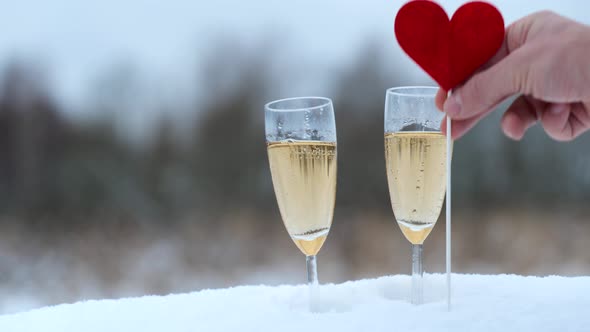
449, 51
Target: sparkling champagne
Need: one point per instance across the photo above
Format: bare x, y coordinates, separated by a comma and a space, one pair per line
416, 174
304, 180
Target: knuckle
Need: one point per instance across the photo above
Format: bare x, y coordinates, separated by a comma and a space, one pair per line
544, 14
523, 81
522, 78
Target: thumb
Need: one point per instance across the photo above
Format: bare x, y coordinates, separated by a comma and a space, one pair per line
486, 89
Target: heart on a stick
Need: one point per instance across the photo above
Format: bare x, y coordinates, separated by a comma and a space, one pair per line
449, 50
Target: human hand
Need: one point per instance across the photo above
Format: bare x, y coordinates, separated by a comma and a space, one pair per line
546, 59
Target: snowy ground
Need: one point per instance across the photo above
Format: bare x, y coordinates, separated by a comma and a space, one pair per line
481, 303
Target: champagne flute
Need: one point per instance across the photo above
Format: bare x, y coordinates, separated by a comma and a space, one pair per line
415, 154
301, 145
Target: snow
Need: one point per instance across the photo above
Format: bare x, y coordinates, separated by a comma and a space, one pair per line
481, 303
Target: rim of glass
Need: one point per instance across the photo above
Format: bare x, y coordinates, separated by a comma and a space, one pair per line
326, 102
407, 91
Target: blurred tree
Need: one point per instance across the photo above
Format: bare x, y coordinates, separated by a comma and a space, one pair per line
32, 133
229, 151
359, 97
56, 167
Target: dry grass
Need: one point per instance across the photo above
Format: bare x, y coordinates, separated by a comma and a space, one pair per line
118, 260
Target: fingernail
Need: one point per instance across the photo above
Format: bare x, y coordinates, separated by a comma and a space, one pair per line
453, 105
512, 135
557, 109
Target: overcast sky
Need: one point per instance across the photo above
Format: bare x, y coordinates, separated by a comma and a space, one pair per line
77, 40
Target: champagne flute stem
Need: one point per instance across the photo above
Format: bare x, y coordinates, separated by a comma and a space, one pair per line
312, 281
417, 274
